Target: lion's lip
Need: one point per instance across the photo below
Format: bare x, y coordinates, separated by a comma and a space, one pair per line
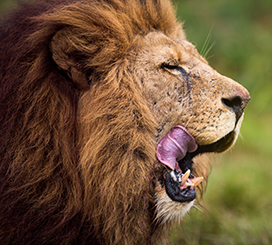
219, 146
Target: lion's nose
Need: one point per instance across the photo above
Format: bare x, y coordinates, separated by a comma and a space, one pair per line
237, 103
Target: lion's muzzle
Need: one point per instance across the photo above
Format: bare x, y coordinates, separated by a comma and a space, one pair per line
237, 102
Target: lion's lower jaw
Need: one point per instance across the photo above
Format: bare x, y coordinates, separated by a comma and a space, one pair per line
169, 211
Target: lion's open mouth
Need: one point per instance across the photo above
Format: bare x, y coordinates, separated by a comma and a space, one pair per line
176, 151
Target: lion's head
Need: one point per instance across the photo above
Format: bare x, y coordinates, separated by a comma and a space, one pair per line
182, 89
106, 111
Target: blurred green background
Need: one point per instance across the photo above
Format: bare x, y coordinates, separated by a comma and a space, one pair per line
238, 202
236, 38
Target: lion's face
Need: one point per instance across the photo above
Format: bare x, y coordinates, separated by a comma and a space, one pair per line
182, 89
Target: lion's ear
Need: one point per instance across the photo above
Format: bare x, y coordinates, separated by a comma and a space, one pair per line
64, 51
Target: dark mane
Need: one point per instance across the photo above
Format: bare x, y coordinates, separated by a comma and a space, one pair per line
42, 191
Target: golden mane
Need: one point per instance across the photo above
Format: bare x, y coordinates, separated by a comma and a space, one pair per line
76, 163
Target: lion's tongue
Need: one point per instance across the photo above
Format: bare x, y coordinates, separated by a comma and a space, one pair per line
174, 146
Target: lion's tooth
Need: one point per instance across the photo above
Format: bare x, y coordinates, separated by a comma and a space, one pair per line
197, 181
189, 184
185, 176
173, 176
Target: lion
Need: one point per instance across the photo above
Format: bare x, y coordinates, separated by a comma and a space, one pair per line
107, 112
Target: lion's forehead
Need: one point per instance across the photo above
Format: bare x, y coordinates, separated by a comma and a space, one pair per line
158, 47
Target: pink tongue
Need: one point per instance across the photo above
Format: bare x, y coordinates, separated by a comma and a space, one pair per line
174, 146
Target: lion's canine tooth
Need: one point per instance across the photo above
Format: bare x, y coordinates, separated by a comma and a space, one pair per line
184, 177
196, 181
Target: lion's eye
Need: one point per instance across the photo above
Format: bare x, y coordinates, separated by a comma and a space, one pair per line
170, 67
175, 69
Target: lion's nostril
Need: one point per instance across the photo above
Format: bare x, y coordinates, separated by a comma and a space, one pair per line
233, 102
236, 104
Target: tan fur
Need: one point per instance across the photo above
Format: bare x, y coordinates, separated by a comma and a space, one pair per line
169, 212
84, 101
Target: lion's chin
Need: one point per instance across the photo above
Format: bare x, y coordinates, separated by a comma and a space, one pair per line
167, 210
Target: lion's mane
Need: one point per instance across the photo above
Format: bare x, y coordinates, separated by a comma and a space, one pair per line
76, 163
